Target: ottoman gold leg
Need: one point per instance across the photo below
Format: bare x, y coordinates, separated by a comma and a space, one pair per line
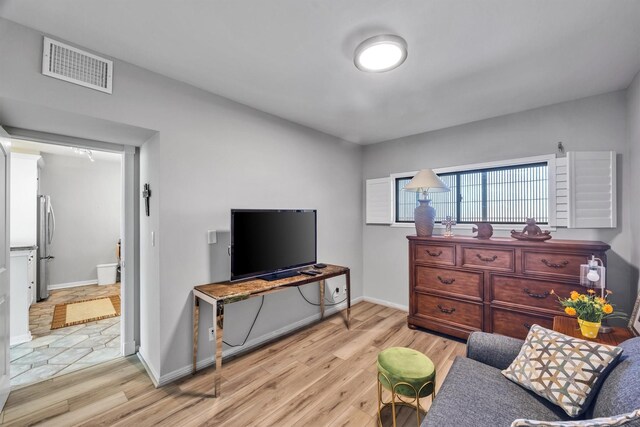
379, 400
406, 393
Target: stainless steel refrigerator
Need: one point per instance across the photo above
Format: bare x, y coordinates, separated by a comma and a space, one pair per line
46, 229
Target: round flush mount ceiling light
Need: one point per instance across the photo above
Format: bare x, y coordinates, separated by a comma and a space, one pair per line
380, 53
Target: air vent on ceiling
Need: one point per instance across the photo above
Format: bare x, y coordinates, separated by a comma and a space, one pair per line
73, 65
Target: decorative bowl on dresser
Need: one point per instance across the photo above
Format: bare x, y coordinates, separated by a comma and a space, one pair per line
458, 285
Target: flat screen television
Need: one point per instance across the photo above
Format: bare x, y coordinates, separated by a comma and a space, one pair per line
272, 244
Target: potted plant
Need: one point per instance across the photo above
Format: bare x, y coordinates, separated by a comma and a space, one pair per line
590, 309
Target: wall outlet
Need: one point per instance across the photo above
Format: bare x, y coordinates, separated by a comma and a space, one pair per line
344, 289
212, 333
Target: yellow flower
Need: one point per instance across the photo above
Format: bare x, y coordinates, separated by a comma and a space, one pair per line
601, 300
570, 311
609, 292
583, 298
574, 295
591, 291
608, 308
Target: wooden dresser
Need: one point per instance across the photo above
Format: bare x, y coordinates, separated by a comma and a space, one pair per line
458, 285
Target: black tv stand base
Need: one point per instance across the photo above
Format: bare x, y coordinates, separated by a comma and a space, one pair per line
281, 275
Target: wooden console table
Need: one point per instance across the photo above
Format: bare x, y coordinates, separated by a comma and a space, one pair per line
219, 294
569, 326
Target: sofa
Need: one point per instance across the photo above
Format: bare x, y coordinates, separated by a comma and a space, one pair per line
475, 393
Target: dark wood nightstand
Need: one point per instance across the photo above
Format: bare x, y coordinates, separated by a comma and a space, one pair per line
569, 326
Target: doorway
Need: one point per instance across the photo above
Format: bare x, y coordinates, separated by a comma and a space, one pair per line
74, 273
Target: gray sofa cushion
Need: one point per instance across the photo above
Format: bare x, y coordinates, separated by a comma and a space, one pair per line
619, 393
474, 394
494, 350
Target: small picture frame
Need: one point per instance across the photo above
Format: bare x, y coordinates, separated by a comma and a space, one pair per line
634, 321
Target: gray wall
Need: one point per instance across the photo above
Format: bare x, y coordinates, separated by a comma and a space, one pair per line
633, 125
210, 155
594, 123
86, 197
150, 292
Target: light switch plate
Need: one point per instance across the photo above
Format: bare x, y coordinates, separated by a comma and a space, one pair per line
212, 237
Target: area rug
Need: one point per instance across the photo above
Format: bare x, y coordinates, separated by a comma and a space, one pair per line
78, 312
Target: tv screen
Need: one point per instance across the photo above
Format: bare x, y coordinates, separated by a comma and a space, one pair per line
264, 242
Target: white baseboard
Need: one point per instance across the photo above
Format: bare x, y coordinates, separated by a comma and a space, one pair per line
20, 339
387, 303
179, 373
150, 371
73, 284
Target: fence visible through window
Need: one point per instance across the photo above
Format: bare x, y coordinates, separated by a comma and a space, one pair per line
503, 195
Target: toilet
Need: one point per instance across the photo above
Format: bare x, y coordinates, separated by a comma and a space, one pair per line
107, 273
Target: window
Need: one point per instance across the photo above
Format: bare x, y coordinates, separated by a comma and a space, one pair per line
500, 195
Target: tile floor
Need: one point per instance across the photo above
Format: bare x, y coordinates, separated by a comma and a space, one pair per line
60, 351
41, 314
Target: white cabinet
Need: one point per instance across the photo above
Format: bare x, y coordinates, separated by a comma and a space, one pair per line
20, 296
24, 192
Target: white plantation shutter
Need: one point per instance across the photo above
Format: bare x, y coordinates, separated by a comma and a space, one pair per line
591, 189
378, 201
562, 198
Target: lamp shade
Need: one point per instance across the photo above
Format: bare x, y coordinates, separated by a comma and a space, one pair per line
593, 274
426, 181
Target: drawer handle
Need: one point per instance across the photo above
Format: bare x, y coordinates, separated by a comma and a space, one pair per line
446, 281
446, 310
434, 254
534, 295
549, 264
526, 325
488, 259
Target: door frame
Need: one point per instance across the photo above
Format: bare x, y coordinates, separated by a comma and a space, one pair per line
129, 275
5, 334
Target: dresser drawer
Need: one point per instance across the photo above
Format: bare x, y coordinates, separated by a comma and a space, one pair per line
556, 264
529, 292
434, 254
467, 314
466, 284
494, 259
515, 323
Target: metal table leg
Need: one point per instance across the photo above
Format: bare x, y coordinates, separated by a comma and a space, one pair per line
348, 277
196, 319
218, 321
322, 286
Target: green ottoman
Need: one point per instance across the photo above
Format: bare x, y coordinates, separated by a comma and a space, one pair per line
406, 373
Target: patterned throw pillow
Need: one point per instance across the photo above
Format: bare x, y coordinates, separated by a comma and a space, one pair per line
564, 370
630, 419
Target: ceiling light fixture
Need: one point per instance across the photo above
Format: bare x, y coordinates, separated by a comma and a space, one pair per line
380, 53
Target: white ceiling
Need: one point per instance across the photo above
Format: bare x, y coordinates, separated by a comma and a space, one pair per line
468, 59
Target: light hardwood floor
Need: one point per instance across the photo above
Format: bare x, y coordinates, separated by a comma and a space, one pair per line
322, 375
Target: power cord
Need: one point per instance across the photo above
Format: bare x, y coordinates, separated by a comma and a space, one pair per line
328, 304
250, 329
318, 305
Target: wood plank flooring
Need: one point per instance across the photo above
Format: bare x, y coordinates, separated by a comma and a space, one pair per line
323, 375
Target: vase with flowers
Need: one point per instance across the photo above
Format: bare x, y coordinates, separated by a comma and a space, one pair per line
590, 309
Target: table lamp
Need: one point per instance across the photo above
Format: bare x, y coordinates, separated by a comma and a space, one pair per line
424, 182
593, 275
